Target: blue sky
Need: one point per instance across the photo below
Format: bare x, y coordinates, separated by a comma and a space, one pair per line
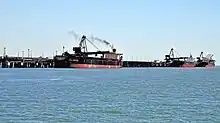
142, 29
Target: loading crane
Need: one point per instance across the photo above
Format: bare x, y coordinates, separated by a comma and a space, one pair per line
83, 41
207, 58
172, 57
83, 44
105, 42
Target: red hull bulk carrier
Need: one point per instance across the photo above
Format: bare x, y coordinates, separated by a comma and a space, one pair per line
84, 59
189, 62
185, 62
205, 61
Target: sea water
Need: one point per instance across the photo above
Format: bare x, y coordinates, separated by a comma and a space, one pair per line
126, 95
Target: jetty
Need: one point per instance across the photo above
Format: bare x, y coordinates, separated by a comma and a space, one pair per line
25, 62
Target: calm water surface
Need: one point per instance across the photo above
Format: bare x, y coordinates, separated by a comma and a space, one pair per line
152, 95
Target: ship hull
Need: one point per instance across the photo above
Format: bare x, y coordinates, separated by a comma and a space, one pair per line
187, 65
209, 65
88, 62
93, 66
205, 64
181, 64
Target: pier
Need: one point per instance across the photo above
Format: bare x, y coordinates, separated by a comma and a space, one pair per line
144, 64
40, 62
25, 62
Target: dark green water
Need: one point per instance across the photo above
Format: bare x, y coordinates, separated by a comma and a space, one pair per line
152, 95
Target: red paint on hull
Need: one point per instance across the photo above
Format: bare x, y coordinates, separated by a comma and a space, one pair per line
93, 66
209, 65
187, 65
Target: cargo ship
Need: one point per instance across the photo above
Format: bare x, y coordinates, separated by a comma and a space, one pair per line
172, 61
205, 61
81, 58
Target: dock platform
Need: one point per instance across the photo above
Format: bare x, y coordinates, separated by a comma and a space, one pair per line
26, 62
144, 64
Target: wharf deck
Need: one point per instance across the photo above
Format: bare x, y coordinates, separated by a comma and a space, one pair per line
143, 64
26, 62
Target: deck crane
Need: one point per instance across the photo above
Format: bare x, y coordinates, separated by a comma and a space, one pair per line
105, 42
83, 39
171, 54
83, 45
207, 58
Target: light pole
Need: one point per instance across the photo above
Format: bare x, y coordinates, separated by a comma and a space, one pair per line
28, 52
22, 54
4, 54
31, 53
